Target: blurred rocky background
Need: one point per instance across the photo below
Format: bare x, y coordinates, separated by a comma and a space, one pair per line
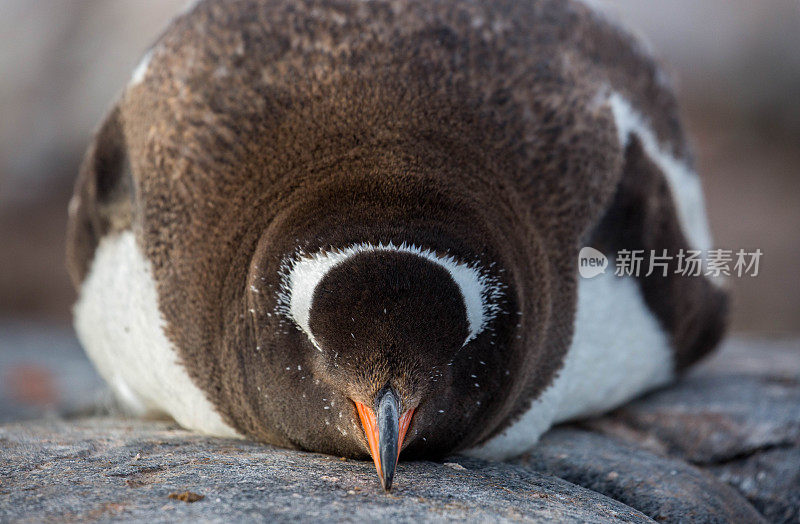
61, 64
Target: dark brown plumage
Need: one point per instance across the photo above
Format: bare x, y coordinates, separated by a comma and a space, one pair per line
262, 130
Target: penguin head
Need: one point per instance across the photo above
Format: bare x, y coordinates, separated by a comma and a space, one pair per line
384, 325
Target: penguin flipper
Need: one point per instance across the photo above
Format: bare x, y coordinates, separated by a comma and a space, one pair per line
646, 215
117, 316
103, 198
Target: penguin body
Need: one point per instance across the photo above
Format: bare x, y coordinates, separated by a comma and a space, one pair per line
304, 219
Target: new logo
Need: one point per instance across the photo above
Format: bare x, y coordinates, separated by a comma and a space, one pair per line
591, 262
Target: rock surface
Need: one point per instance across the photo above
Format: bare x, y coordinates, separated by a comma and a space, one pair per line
665, 489
102, 468
737, 417
721, 445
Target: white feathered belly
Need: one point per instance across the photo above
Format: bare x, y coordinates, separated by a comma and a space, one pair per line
120, 326
619, 350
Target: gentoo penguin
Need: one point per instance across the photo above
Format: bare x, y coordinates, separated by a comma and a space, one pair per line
353, 227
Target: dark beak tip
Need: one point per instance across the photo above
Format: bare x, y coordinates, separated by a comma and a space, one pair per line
387, 479
389, 436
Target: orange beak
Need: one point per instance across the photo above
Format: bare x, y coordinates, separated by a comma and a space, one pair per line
385, 434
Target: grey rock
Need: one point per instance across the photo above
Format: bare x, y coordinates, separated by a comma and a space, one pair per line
737, 417
769, 479
110, 468
664, 489
778, 359
709, 419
